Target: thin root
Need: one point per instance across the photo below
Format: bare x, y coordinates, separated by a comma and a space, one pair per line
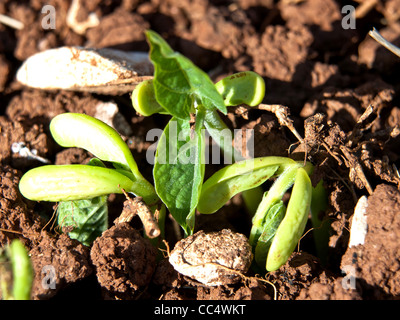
167, 250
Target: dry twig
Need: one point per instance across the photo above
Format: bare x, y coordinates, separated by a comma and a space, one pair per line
136, 206
282, 113
11, 22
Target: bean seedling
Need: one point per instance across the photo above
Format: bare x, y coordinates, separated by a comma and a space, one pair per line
178, 89
87, 185
183, 91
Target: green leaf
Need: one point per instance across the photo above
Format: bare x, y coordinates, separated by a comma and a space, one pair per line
274, 216
88, 218
178, 83
179, 169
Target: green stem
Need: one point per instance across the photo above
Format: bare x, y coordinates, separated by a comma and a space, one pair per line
321, 228
252, 198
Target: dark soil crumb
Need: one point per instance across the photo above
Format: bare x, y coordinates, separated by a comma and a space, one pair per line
124, 262
16, 220
72, 156
268, 137
299, 272
251, 290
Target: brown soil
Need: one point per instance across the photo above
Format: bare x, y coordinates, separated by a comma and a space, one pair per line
327, 76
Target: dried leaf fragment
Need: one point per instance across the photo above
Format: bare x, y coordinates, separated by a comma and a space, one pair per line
86, 69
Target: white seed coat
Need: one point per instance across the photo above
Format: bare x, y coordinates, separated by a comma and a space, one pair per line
78, 68
359, 226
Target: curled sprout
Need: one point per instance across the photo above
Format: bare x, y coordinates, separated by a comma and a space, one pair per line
276, 229
16, 272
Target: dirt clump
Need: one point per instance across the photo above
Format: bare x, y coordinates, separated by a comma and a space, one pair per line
58, 262
334, 290
376, 263
16, 220
124, 262
120, 30
247, 290
298, 273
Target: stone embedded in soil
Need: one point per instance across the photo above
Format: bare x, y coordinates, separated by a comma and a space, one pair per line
216, 258
124, 261
376, 263
79, 68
